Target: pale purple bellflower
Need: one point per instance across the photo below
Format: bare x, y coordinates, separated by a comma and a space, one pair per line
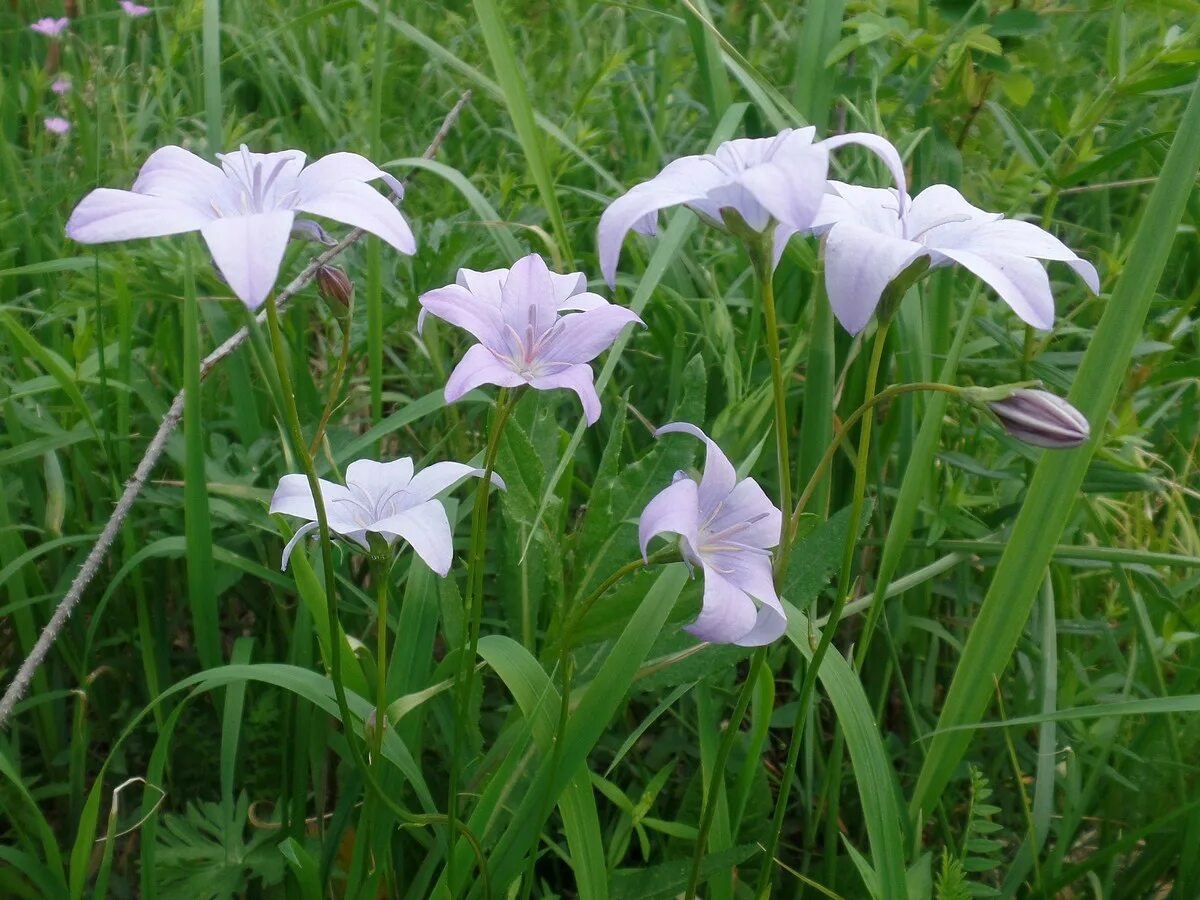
387, 499
61, 85
871, 238
515, 315
50, 27
134, 10
245, 209
57, 125
727, 528
1041, 419
772, 183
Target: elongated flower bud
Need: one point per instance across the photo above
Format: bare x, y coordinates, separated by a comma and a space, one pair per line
336, 287
1041, 419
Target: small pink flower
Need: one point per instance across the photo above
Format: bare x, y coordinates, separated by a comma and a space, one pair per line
57, 125
61, 85
50, 27
134, 10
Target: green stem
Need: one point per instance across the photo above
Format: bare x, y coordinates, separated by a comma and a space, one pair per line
843, 590
379, 573
335, 389
296, 436
474, 604
716, 777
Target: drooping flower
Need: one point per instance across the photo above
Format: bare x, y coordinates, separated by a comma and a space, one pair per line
514, 314
386, 499
50, 27
727, 528
61, 85
771, 183
245, 209
1041, 419
870, 239
134, 10
56, 124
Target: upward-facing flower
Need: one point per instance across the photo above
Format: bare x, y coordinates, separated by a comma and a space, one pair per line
245, 209
514, 314
871, 239
771, 183
386, 499
134, 10
50, 27
726, 528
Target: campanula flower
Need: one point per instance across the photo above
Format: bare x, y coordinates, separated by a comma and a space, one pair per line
57, 125
727, 528
870, 239
1041, 419
134, 10
514, 314
61, 85
245, 209
771, 183
387, 499
50, 27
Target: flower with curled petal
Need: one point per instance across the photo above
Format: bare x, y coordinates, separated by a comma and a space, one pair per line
388, 499
515, 315
870, 238
772, 183
727, 528
245, 209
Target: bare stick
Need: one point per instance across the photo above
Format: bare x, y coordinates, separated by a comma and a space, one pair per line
21, 681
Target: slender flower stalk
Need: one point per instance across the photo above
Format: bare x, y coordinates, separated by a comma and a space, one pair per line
843, 589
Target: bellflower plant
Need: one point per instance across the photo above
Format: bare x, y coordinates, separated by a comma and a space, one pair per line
388, 499
872, 236
134, 10
727, 528
61, 85
50, 27
523, 339
245, 209
56, 124
772, 184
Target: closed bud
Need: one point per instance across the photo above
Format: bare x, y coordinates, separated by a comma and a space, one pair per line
1041, 419
336, 287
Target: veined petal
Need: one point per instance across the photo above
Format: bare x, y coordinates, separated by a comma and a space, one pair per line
249, 250
479, 366
327, 171
727, 613
379, 480
180, 175
582, 301
427, 531
769, 626
578, 378
882, 148
527, 296
1021, 282
360, 205
484, 286
434, 479
239, 165
1012, 237
107, 215
859, 263
680, 181
719, 477
463, 308
581, 337
293, 498
748, 510
790, 187
567, 285
940, 210
674, 509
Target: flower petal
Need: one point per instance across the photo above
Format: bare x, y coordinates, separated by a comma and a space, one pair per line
1022, 283
790, 187
249, 250
427, 531
240, 165
674, 509
751, 573
479, 366
582, 301
306, 528
293, 498
527, 296
463, 308
327, 171
360, 205
581, 337
940, 211
748, 509
769, 626
727, 613
882, 148
180, 175
369, 479
859, 264
719, 477
1012, 237
106, 215
434, 479
578, 378
680, 181
484, 286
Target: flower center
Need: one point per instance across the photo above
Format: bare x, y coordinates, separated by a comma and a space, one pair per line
252, 192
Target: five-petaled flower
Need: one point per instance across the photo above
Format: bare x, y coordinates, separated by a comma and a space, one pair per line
386, 499
771, 183
245, 209
134, 10
870, 239
727, 528
50, 27
514, 314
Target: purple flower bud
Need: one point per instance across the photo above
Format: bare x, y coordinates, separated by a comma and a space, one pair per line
1041, 419
336, 287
